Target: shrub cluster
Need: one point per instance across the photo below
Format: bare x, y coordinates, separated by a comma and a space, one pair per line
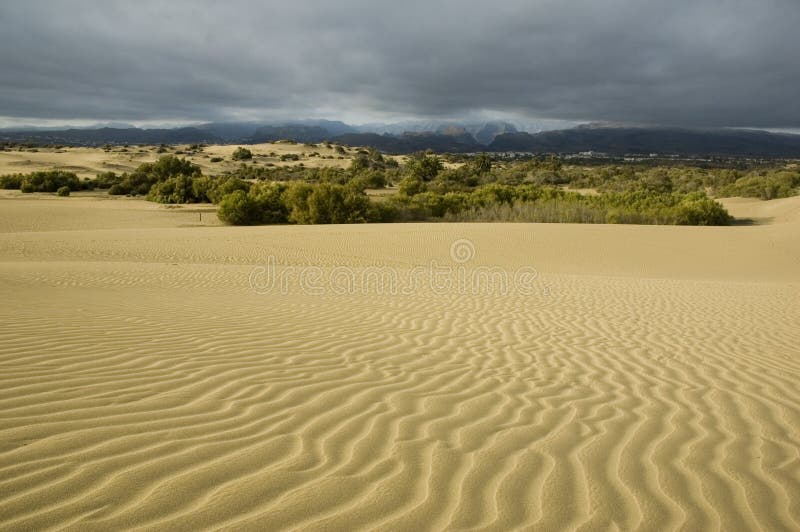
11, 181
760, 182
43, 181
301, 203
764, 185
140, 181
534, 203
324, 203
477, 188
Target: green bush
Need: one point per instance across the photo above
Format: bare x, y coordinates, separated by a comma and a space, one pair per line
63, 191
268, 199
296, 199
372, 179
701, 211
767, 186
49, 181
178, 189
11, 182
140, 181
263, 204
329, 204
411, 186
238, 209
382, 212
217, 188
106, 180
492, 193
242, 154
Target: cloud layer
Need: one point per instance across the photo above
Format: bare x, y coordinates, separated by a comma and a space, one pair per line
684, 62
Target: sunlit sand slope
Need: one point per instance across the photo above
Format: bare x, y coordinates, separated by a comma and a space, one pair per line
645, 378
88, 162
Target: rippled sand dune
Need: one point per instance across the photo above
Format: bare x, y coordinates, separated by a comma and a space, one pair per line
643, 378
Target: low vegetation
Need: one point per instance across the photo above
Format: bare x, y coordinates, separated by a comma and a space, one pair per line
45, 181
764, 185
428, 187
242, 154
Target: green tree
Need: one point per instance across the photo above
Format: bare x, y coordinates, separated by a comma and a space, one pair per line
295, 198
336, 204
425, 167
268, 199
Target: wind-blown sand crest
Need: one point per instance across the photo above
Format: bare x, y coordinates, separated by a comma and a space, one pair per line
645, 378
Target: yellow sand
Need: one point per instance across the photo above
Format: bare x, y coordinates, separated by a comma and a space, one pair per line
88, 162
645, 378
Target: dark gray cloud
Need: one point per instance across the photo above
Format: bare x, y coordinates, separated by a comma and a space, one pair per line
689, 62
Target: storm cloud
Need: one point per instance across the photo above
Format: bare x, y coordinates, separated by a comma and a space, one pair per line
683, 62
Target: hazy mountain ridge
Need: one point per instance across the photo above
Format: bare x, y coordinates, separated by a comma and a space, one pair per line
411, 142
494, 136
621, 140
257, 131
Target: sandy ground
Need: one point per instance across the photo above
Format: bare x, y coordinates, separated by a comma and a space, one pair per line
88, 162
163, 373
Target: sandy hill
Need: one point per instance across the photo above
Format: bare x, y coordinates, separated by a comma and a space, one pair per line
88, 162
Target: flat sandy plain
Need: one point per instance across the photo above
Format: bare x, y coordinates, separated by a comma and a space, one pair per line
150, 378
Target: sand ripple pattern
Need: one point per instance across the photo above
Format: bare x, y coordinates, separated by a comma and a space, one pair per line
170, 397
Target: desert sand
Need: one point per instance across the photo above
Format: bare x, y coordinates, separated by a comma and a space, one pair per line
88, 162
640, 377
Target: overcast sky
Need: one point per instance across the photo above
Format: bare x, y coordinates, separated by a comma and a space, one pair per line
678, 62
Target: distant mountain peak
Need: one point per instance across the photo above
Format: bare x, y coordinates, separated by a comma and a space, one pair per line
491, 130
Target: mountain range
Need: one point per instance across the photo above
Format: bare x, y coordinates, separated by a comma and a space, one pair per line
408, 137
